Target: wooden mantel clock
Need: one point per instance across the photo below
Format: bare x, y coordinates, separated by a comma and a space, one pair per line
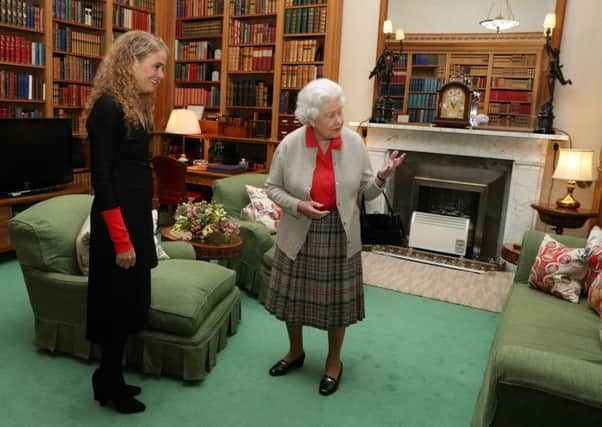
453, 106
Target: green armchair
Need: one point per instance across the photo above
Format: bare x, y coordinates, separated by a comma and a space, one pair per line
195, 305
253, 266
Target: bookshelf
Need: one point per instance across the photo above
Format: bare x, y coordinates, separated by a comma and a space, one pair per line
506, 69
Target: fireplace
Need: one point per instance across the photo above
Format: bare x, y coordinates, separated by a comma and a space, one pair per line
456, 186
502, 169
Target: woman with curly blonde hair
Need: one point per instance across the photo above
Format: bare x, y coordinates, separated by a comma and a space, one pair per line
122, 251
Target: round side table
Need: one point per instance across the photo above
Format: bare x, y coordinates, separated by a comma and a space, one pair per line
206, 251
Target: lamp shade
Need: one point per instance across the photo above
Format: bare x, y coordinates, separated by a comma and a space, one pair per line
500, 16
550, 21
574, 165
387, 27
399, 34
183, 122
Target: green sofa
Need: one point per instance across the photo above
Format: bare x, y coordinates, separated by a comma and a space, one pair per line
195, 305
253, 267
545, 365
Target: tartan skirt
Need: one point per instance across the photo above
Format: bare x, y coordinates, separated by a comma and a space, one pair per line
321, 288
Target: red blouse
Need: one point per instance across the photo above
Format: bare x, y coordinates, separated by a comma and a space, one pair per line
323, 188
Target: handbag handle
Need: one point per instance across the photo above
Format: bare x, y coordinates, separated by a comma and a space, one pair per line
389, 207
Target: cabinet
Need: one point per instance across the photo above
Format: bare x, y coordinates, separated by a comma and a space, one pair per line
505, 68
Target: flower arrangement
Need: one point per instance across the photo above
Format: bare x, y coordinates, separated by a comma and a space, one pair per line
204, 221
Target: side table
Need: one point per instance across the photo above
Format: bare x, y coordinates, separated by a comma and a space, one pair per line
561, 218
511, 252
206, 251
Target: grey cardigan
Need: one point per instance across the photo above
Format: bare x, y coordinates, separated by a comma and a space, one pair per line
290, 179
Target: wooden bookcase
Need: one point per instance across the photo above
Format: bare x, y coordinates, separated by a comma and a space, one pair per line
507, 70
268, 50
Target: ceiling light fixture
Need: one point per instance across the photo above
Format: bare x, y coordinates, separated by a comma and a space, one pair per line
500, 17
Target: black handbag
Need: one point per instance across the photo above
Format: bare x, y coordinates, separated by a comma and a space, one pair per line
381, 229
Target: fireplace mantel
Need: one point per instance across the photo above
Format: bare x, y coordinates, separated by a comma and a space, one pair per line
529, 153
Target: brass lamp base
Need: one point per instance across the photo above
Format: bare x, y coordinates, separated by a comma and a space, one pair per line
568, 201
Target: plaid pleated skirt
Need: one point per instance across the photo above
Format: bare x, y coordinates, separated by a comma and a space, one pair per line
321, 288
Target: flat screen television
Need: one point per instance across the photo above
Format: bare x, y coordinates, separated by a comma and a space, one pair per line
35, 155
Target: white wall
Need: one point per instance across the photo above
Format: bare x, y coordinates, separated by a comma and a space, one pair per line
578, 108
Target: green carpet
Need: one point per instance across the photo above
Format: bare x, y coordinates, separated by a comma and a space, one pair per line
412, 362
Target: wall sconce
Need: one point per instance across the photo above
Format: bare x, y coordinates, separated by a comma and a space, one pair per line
183, 122
503, 18
576, 167
545, 117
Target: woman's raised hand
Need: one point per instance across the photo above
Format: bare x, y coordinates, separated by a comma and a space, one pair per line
394, 160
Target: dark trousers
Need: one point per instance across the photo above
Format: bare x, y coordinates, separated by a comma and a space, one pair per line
111, 349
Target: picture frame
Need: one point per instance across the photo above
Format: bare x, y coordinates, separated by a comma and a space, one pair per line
198, 110
453, 105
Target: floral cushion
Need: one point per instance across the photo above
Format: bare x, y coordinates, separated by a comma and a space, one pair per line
82, 244
559, 270
594, 295
261, 209
594, 266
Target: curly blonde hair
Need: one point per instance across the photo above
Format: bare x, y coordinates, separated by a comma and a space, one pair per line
115, 75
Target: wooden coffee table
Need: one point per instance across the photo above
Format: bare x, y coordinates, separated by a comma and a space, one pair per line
206, 251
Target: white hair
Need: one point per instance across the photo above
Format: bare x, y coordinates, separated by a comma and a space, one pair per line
313, 96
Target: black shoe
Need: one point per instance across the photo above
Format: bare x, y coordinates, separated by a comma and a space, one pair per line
100, 390
329, 385
126, 404
282, 366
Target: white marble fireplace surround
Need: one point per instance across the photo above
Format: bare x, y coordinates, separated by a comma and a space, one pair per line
527, 151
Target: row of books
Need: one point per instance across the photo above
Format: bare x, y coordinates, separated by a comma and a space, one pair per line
398, 77
510, 83
199, 8
194, 72
422, 116
470, 59
417, 100
20, 112
133, 19
22, 14
249, 93
250, 58
193, 50
209, 97
79, 11
83, 177
73, 68
198, 28
394, 90
16, 85
140, 4
72, 95
428, 59
70, 40
21, 50
306, 20
428, 84
509, 108
288, 101
249, 7
528, 73
514, 60
304, 2
510, 95
296, 76
78, 122
473, 70
510, 121
302, 50
242, 32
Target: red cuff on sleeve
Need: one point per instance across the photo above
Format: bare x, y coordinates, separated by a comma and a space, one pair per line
117, 230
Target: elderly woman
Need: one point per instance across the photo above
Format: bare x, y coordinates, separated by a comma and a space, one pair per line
318, 173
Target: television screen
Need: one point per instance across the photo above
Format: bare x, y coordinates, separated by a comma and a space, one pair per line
36, 155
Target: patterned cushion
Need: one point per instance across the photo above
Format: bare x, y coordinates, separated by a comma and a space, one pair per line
82, 244
594, 295
594, 266
261, 209
559, 270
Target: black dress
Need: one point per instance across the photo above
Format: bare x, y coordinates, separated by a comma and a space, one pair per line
118, 299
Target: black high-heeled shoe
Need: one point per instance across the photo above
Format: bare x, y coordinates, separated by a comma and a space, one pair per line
329, 385
282, 366
100, 390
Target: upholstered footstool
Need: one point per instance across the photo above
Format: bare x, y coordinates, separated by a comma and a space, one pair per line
194, 307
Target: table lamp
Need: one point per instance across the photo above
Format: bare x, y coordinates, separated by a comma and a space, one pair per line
574, 165
183, 122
